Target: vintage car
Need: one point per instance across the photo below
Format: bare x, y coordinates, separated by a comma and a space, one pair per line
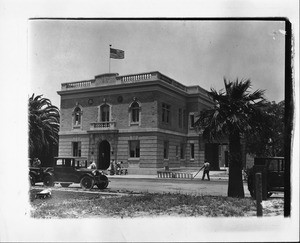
272, 170
68, 170
36, 174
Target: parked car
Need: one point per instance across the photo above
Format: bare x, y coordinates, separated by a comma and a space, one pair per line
272, 170
36, 173
68, 170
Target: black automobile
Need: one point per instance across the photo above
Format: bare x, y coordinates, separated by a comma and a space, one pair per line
36, 174
272, 170
68, 170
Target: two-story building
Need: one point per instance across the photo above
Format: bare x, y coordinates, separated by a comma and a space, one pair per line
145, 120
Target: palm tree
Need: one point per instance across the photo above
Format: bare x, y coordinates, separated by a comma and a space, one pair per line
43, 124
236, 112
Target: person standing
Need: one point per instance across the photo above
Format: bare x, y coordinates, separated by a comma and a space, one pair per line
206, 170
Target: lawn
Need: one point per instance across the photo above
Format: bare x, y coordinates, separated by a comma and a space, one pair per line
80, 204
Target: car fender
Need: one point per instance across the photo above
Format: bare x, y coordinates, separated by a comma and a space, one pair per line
33, 173
87, 174
50, 173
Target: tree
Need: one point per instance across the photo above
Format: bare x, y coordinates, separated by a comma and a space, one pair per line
43, 122
269, 141
236, 112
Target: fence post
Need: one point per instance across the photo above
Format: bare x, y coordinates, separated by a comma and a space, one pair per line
258, 191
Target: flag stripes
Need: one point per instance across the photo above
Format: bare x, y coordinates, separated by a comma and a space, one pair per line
116, 53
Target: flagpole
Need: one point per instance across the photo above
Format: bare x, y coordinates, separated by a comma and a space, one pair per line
109, 60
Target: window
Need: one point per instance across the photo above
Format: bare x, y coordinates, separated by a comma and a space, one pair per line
177, 152
180, 118
76, 147
134, 149
192, 151
77, 117
184, 119
104, 109
192, 119
166, 149
182, 151
135, 112
165, 113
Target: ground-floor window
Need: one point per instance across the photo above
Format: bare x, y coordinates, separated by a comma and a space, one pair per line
76, 148
192, 151
166, 149
134, 149
182, 151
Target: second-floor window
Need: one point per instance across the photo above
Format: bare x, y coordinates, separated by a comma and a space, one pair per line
77, 117
192, 120
180, 118
104, 110
135, 112
165, 113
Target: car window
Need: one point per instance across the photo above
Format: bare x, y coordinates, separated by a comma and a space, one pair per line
59, 162
81, 164
282, 165
68, 162
273, 165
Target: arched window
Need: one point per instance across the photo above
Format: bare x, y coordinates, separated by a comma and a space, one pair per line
135, 112
77, 116
104, 109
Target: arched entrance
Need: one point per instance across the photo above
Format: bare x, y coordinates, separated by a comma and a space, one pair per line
104, 155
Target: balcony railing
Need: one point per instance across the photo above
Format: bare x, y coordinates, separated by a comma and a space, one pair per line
103, 125
78, 85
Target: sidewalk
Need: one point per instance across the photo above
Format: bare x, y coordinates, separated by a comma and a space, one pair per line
214, 176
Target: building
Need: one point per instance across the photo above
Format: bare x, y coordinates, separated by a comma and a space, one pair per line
145, 120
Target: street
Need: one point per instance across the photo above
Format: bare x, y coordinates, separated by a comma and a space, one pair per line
197, 186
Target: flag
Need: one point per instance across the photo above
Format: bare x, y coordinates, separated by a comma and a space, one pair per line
116, 54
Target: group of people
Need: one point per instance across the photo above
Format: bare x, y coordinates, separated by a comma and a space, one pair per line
117, 168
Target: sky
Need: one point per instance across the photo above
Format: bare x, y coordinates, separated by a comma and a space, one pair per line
198, 52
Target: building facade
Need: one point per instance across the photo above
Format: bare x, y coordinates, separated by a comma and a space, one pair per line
145, 120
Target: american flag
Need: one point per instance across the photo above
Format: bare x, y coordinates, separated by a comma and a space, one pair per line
116, 54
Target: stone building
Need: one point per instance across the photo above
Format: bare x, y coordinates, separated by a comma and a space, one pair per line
145, 120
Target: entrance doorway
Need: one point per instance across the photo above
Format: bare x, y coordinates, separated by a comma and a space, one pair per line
212, 155
104, 155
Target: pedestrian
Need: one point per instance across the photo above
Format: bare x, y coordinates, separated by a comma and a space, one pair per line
206, 170
92, 165
36, 162
112, 167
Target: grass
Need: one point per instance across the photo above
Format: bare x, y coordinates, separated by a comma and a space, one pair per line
70, 204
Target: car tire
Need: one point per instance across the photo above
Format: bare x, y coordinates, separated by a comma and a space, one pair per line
87, 183
65, 184
48, 181
104, 184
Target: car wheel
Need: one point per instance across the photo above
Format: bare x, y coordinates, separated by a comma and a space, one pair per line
65, 184
87, 182
48, 181
104, 183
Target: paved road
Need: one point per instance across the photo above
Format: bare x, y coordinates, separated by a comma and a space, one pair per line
198, 187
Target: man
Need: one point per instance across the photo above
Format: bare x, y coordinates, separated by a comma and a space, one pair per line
206, 170
92, 165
